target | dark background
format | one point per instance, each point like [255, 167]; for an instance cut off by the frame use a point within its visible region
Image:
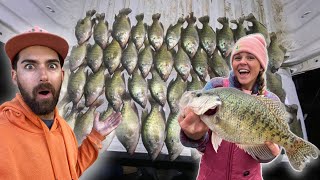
[7, 88]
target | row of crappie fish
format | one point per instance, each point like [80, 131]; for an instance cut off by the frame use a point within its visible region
[205, 50]
[87, 92]
[131, 65]
[90, 86]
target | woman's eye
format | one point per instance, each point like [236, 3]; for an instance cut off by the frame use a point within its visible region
[237, 58]
[251, 58]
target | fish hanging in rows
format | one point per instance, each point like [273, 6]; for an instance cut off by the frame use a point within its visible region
[83, 29]
[189, 36]
[121, 27]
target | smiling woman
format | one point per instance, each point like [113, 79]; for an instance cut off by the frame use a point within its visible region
[249, 60]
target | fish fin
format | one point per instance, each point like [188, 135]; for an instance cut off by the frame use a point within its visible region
[144, 114]
[134, 107]
[258, 152]
[284, 50]
[92, 12]
[181, 20]
[278, 105]
[156, 16]
[125, 11]
[198, 29]
[161, 26]
[250, 17]
[162, 112]
[94, 21]
[126, 96]
[102, 16]
[263, 25]
[216, 141]
[300, 152]
[217, 31]
[204, 19]
[88, 13]
[128, 19]
[98, 102]
[140, 17]
[273, 36]
[145, 27]
[241, 20]
[234, 21]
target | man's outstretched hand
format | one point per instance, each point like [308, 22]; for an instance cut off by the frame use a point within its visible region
[106, 126]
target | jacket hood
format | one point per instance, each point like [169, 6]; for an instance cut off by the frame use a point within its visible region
[20, 114]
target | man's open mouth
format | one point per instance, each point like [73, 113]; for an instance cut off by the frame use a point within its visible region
[44, 92]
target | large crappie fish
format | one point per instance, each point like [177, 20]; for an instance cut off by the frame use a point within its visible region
[248, 121]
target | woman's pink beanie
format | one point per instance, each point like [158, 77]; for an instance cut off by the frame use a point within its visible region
[254, 44]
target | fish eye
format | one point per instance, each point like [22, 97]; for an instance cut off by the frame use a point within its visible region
[198, 95]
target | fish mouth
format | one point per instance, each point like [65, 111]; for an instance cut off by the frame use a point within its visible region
[211, 111]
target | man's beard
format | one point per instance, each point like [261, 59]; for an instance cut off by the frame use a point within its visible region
[42, 107]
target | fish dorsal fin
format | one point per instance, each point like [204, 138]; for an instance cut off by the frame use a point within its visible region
[258, 151]
[216, 141]
[276, 107]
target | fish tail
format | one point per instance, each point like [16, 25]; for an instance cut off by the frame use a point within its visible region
[241, 20]
[300, 152]
[125, 11]
[234, 21]
[181, 20]
[156, 16]
[92, 12]
[191, 19]
[102, 16]
[273, 36]
[250, 17]
[140, 17]
[204, 19]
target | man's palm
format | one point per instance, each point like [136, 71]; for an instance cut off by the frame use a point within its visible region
[106, 126]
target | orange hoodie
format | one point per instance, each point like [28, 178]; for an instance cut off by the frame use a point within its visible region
[29, 150]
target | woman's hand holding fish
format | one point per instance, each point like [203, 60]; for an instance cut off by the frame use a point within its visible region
[274, 148]
[191, 124]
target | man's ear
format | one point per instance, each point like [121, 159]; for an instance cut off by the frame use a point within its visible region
[14, 76]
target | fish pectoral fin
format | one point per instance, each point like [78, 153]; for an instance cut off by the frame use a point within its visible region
[258, 151]
[216, 141]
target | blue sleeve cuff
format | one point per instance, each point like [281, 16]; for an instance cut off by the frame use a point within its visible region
[199, 144]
